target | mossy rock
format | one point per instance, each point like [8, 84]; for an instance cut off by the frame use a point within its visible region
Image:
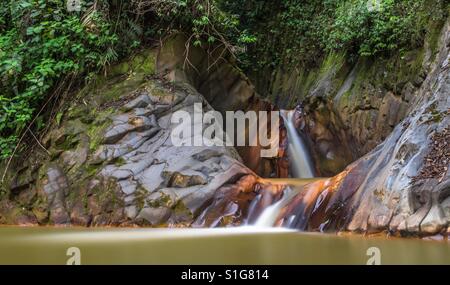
[143, 62]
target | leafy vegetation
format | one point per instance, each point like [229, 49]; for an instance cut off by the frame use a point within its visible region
[42, 43]
[293, 32]
[43, 46]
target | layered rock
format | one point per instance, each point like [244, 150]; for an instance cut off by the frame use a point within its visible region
[222, 84]
[358, 101]
[111, 159]
[403, 185]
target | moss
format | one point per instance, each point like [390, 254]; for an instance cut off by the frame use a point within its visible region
[41, 214]
[58, 118]
[82, 124]
[160, 92]
[114, 90]
[119, 161]
[120, 69]
[121, 79]
[12, 216]
[434, 116]
[345, 99]
[181, 210]
[91, 170]
[385, 74]
[143, 62]
[107, 195]
[227, 221]
[69, 142]
[102, 89]
[97, 129]
[310, 80]
[432, 37]
[163, 201]
[78, 110]
[72, 196]
[332, 63]
[139, 198]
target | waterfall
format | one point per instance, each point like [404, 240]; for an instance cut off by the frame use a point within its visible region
[298, 152]
[301, 168]
[269, 215]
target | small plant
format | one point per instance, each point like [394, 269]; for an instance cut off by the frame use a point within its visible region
[40, 42]
[204, 21]
[302, 32]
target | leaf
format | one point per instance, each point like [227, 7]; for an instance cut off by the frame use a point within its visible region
[30, 31]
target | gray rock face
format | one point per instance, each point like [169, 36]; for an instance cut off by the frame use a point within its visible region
[56, 189]
[403, 185]
[365, 99]
[409, 201]
[113, 162]
[223, 85]
[171, 182]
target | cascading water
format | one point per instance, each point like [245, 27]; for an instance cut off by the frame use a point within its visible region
[298, 152]
[301, 168]
[269, 215]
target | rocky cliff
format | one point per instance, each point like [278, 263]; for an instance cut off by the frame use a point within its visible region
[360, 101]
[108, 159]
[403, 185]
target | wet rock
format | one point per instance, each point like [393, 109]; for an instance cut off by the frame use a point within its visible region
[131, 212]
[11, 214]
[230, 203]
[78, 215]
[206, 154]
[127, 186]
[22, 181]
[155, 216]
[133, 123]
[57, 188]
[179, 180]
[75, 157]
[120, 167]
[141, 101]
[151, 178]
[135, 175]
[401, 186]
[446, 209]
[434, 222]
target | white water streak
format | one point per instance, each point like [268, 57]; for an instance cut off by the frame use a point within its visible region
[298, 153]
[270, 214]
[301, 168]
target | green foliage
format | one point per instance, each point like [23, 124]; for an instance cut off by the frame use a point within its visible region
[372, 27]
[204, 21]
[301, 32]
[40, 42]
